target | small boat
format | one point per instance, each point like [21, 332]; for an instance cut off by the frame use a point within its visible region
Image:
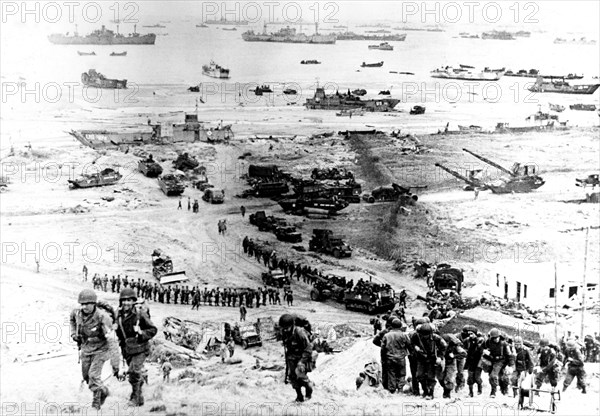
[466, 35]
[384, 46]
[203, 26]
[230, 29]
[119, 53]
[215, 71]
[86, 53]
[360, 92]
[583, 107]
[562, 87]
[158, 25]
[385, 92]
[195, 88]
[556, 107]
[262, 89]
[290, 91]
[375, 65]
[310, 62]
[417, 109]
[93, 78]
[469, 128]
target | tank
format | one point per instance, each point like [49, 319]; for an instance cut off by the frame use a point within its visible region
[148, 167]
[185, 162]
[171, 185]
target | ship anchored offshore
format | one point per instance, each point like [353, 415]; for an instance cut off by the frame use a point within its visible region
[103, 36]
[289, 35]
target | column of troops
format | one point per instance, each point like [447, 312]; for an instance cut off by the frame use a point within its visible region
[443, 358]
[185, 296]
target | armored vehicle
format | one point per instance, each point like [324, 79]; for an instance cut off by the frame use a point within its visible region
[266, 189]
[288, 234]
[372, 298]
[185, 162]
[266, 223]
[149, 167]
[324, 289]
[303, 204]
[106, 177]
[246, 336]
[324, 241]
[171, 185]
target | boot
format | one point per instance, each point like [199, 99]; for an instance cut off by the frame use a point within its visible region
[470, 391]
[134, 398]
[309, 391]
[493, 393]
[140, 395]
[96, 399]
[446, 394]
[104, 393]
[299, 396]
[479, 389]
[583, 391]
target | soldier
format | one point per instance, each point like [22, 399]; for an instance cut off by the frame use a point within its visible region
[523, 362]
[395, 347]
[118, 284]
[429, 350]
[168, 294]
[473, 342]
[105, 282]
[376, 322]
[166, 369]
[575, 366]
[449, 379]
[189, 203]
[403, 298]
[135, 329]
[90, 329]
[242, 312]
[549, 366]
[298, 356]
[154, 292]
[243, 211]
[176, 293]
[85, 273]
[497, 353]
[125, 281]
[378, 340]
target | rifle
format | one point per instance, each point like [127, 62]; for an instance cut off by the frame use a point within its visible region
[286, 380]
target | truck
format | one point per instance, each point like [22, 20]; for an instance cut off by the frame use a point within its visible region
[266, 189]
[275, 278]
[266, 223]
[325, 241]
[214, 195]
[288, 233]
[393, 192]
[246, 335]
[447, 278]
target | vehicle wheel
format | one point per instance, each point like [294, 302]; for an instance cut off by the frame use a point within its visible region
[337, 254]
[245, 344]
[259, 344]
[314, 295]
[371, 200]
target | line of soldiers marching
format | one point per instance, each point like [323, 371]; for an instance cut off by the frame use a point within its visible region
[443, 358]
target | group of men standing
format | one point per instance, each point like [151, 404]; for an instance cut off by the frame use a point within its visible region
[443, 358]
[92, 329]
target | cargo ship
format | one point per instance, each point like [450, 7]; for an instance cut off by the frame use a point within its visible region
[562, 87]
[215, 71]
[337, 101]
[103, 37]
[466, 73]
[289, 35]
[379, 38]
[384, 46]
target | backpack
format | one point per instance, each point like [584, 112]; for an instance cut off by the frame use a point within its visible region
[108, 309]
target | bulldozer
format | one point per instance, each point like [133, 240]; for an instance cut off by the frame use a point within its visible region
[325, 241]
[162, 268]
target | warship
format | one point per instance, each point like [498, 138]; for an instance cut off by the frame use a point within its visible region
[103, 37]
[215, 71]
[337, 101]
[289, 35]
[223, 21]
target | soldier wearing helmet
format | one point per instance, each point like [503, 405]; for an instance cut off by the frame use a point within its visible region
[378, 340]
[549, 366]
[497, 353]
[523, 361]
[134, 330]
[473, 343]
[575, 366]
[90, 329]
[412, 359]
[429, 351]
[298, 355]
[395, 348]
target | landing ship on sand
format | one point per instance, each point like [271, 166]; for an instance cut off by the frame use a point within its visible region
[519, 179]
[337, 101]
[106, 177]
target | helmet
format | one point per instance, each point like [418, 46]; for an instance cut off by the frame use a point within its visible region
[571, 344]
[396, 323]
[470, 328]
[425, 329]
[87, 296]
[494, 333]
[127, 293]
[422, 320]
[518, 340]
[544, 342]
[286, 320]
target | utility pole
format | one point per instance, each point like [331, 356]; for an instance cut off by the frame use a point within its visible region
[584, 294]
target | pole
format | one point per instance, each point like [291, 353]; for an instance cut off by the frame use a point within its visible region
[555, 303]
[584, 294]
